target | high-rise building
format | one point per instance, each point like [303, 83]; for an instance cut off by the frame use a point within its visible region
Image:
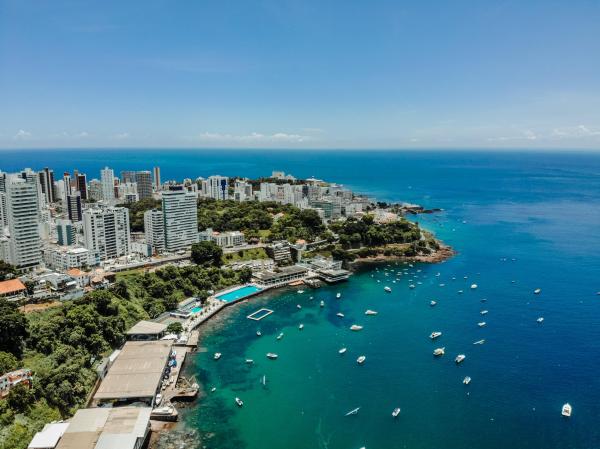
[67, 185]
[242, 191]
[47, 183]
[82, 185]
[106, 231]
[95, 190]
[107, 177]
[65, 232]
[156, 173]
[154, 230]
[74, 206]
[23, 216]
[218, 187]
[127, 176]
[3, 216]
[144, 184]
[180, 218]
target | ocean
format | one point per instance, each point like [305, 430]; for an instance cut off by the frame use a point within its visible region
[518, 221]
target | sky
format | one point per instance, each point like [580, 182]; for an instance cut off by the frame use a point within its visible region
[300, 74]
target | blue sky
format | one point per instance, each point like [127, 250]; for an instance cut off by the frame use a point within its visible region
[300, 74]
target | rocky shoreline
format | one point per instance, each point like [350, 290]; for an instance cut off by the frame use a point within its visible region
[442, 254]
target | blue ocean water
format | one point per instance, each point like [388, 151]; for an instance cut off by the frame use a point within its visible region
[540, 209]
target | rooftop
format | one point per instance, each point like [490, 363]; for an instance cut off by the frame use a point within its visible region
[284, 271]
[48, 436]
[11, 286]
[147, 328]
[136, 372]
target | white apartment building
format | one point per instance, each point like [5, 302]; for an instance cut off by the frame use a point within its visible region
[62, 258]
[222, 239]
[23, 217]
[95, 190]
[218, 187]
[267, 192]
[154, 230]
[106, 231]
[242, 191]
[107, 177]
[128, 192]
[180, 219]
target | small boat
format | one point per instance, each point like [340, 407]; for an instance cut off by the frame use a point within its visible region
[438, 352]
[483, 312]
[396, 412]
[459, 358]
[460, 292]
[298, 306]
[566, 410]
[467, 380]
[340, 314]
[353, 411]
[479, 342]
[280, 336]
[239, 402]
[540, 319]
[433, 303]
[387, 289]
[435, 335]
[361, 360]
[537, 291]
[272, 355]
[473, 286]
[301, 326]
[355, 327]
[342, 351]
[338, 295]
[249, 361]
[264, 380]
[442, 285]
[213, 389]
[411, 286]
[322, 304]
[300, 291]
[370, 312]
[258, 333]
[217, 356]
[481, 324]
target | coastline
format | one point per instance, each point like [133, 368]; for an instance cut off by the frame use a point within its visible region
[444, 253]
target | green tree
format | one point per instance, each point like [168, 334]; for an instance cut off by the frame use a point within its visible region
[207, 253]
[7, 271]
[13, 328]
[8, 362]
[175, 328]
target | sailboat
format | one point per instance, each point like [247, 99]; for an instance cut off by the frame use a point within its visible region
[264, 380]
[353, 412]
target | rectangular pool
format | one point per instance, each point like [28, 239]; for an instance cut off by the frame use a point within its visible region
[239, 293]
[196, 309]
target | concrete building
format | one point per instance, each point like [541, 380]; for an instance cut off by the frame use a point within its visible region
[180, 219]
[12, 290]
[127, 192]
[95, 190]
[106, 231]
[154, 230]
[12, 379]
[156, 173]
[242, 191]
[146, 331]
[23, 216]
[218, 187]
[223, 239]
[82, 185]
[49, 436]
[280, 276]
[63, 258]
[46, 179]
[65, 233]
[280, 251]
[107, 177]
[144, 184]
[74, 206]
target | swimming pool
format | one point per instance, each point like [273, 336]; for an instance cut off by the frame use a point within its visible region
[196, 309]
[239, 293]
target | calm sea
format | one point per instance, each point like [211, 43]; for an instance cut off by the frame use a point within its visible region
[519, 221]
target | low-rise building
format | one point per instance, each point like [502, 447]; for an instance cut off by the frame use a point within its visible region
[280, 251]
[12, 379]
[222, 239]
[146, 331]
[49, 436]
[280, 276]
[63, 258]
[13, 289]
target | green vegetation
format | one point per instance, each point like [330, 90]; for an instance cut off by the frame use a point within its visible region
[175, 328]
[136, 212]
[7, 271]
[245, 254]
[207, 254]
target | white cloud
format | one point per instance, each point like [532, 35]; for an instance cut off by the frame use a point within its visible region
[22, 135]
[121, 136]
[253, 137]
[570, 132]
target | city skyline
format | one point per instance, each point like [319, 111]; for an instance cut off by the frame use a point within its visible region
[300, 75]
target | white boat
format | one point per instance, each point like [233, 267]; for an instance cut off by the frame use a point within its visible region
[566, 410]
[239, 402]
[258, 333]
[473, 286]
[213, 389]
[459, 358]
[479, 342]
[322, 304]
[387, 289]
[361, 360]
[540, 319]
[300, 291]
[460, 292]
[467, 380]
[340, 314]
[481, 324]
[338, 295]
[280, 336]
[537, 291]
[264, 380]
[355, 327]
[396, 412]
[411, 286]
[249, 361]
[483, 312]
[217, 356]
[370, 312]
[435, 335]
[298, 306]
[272, 355]
[438, 352]
[433, 303]
[353, 411]
[342, 351]
[301, 326]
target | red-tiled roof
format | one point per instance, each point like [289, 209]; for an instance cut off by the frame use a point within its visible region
[11, 286]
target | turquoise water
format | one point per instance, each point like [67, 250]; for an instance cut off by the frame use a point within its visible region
[196, 309]
[239, 293]
[541, 209]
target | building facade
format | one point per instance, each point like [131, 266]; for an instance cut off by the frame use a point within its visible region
[180, 219]
[106, 231]
[154, 230]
